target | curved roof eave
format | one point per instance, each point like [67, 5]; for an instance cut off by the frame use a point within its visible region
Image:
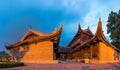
[56, 33]
[98, 35]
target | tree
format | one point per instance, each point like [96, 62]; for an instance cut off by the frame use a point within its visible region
[113, 28]
[3, 54]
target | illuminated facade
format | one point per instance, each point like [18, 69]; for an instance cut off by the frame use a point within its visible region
[36, 47]
[97, 48]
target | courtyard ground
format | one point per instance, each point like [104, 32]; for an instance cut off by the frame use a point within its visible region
[67, 66]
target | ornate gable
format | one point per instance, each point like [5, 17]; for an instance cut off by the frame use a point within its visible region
[99, 36]
[80, 37]
[31, 34]
[34, 36]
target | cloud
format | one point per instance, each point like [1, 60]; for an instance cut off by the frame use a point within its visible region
[45, 15]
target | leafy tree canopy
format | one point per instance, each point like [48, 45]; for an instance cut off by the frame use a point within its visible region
[3, 53]
[113, 28]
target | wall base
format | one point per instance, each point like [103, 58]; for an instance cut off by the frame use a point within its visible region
[43, 62]
[103, 62]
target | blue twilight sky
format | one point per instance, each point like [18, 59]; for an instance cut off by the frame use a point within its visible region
[16, 16]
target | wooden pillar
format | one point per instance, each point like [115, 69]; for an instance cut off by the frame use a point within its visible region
[11, 54]
[98, 48]
[91, 51]
[71, 56]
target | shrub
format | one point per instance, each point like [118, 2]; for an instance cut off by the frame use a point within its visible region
[10, 64]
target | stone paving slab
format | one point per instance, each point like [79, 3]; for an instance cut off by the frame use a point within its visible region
[67, 66]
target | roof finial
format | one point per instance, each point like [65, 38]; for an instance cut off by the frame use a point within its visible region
[88, 27]
[99, 19]
[61, 24]
[30, 27]
[100, 24]
[79, 27]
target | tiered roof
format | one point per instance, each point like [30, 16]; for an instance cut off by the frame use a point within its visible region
[99, 36]
[35, 36]
[80, 37]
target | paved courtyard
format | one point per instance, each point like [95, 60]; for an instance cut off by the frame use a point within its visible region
[67, 66]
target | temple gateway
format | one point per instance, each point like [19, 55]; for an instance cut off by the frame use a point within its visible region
[36, 47]
[85, 44]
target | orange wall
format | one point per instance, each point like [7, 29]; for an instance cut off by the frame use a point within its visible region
[39, 52]
[94, 51]
[106, 52]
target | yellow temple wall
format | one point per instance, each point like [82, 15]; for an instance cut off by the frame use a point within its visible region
[106, 53]
[94, 51]
[77, 55]
[81, 53]
[38, 52]
[21, 48]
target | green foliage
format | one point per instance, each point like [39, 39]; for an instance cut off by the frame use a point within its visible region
[10, 64]
[3, 54]
[113, 28]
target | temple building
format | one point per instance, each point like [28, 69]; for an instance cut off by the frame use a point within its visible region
[85, 44]
[80, 37]
[36, 47]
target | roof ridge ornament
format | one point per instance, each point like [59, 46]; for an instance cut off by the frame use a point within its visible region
[79, 27]
[100, 23]
[88, 27]
[30, 27]
[100, 19]
[61, 25]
